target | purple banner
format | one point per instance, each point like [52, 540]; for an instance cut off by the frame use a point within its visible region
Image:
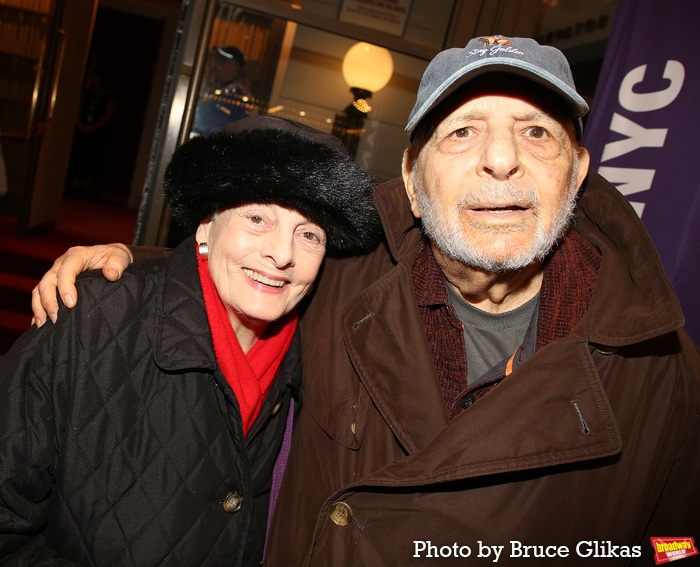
[642, 132]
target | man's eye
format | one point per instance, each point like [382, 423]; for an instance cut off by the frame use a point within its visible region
[537, 132]
[462, 133]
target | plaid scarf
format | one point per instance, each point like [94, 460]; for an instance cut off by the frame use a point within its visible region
[567, 285]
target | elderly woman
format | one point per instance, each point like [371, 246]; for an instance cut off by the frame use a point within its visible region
[143, 427]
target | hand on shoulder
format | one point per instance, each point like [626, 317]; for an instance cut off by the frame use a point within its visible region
[113, 259]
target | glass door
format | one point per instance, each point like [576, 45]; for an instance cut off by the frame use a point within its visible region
[254, 57]
[257, 63]
[26, 34]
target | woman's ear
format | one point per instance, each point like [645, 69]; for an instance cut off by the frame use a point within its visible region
[202, 234]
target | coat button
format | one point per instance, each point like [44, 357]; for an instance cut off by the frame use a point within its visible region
[466, 401]
[233, 502]
[605, 350]
[341, 514]
[276, 408]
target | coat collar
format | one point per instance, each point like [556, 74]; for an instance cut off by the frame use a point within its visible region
[550, 412]
[182, 336]
[633, 299]
[556, 386]
[402, 229]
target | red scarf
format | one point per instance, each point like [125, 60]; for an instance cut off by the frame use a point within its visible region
[249, 375]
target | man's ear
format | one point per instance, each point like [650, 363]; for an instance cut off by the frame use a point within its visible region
[408, 182]
[584, 162]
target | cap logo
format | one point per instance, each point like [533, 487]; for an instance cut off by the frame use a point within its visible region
[494, 39]
[493, 45]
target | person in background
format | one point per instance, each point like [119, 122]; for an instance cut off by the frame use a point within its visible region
[221, 99]
[98, 108]
[144, 427]
[507, 377]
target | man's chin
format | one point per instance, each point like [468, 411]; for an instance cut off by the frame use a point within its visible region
[501, 243]
[499, 252]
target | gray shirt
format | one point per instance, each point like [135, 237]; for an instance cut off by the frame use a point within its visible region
[490, 338]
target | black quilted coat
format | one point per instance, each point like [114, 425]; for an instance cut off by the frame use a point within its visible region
[120, 439]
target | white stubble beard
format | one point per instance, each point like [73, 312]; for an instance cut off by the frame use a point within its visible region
[447, 233]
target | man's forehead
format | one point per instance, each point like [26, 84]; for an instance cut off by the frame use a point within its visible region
[518, 98]
[499, 106]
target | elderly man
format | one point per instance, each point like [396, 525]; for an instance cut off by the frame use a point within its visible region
[505, 384]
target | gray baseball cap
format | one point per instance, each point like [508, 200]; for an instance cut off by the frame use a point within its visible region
[521, 56]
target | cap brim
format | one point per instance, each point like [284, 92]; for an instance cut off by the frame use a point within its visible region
[574, 102]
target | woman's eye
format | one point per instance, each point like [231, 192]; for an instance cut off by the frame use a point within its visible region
[313, 237]
[255, 219]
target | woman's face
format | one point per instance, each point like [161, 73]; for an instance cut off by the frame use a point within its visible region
[263, 260]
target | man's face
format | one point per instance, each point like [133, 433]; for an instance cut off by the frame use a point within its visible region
[495, 185]
[224, 69]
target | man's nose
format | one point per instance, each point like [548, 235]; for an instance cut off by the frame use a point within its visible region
[500, 158]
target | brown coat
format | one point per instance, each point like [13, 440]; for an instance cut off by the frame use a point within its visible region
[520, 465]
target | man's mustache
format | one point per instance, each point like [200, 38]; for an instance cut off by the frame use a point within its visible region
[500, 195]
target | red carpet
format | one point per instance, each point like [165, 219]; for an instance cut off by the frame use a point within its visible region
[79, 223]
[24, 261]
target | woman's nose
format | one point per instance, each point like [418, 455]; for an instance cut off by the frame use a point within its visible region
[279, 249]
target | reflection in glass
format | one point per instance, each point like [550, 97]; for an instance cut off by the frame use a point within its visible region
[295, 71]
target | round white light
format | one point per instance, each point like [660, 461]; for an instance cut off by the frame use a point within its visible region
[367, 67]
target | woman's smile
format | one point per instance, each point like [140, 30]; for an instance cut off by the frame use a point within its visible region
[263, 279]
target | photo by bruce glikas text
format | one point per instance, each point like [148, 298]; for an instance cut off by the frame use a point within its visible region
[518, 550]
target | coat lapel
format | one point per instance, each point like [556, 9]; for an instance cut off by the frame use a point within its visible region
[182, 336]
[393, 361]
[552, 411]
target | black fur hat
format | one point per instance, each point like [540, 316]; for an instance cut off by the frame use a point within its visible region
[267, 159]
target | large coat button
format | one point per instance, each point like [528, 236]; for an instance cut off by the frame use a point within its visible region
[341, 513]
[233, 502]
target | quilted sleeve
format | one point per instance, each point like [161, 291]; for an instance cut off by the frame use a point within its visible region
[27, 448]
